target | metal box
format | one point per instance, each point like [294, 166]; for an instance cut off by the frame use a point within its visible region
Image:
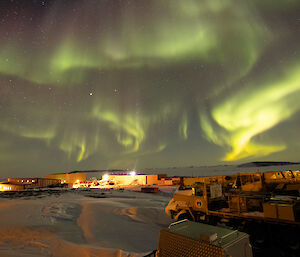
[190, 239]
[270, 210]
[286, 212]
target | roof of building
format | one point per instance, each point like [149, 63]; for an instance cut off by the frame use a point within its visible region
[92, 171]
[86, 171]
[28, 178]
[13, 184]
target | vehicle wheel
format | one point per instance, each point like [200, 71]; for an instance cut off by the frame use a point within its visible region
[211, 220]
[183, 216]
[293, 240]
[258, 235]
[287, 238]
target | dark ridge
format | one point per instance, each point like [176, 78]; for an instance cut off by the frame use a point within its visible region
[268, 163]
[91, 171]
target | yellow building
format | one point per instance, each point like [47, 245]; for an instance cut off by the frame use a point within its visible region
[17, 184]
[68, 178]
[34, 182]
[11, 187]
[134, 179]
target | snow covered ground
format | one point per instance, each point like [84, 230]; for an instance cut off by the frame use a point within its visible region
[82, 223]
[93, 223]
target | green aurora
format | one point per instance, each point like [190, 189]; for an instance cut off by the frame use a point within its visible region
[134, 84]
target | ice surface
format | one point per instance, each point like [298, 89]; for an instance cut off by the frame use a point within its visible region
[124, 223]
[96, 222]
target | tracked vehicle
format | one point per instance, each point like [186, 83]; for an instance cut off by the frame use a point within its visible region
[246, 203]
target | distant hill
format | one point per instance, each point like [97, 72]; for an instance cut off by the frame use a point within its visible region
[268, 163]
[93, 171]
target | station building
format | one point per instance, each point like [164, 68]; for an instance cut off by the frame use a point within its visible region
[135, 179]
[68, 178]
[34, 182]
[5, 186]
[17, 184]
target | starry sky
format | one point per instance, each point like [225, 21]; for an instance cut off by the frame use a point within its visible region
[98, 84]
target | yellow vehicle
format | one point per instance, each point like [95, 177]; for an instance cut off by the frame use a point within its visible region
[260, 214]
[283, 182]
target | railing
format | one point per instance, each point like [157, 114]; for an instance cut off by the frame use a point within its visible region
[152, 254]
[220, 240]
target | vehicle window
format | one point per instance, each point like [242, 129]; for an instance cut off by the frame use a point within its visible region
[198, 192]
[245, 179]
[256, 178]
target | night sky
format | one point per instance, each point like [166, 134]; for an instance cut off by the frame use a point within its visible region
[98, 84]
